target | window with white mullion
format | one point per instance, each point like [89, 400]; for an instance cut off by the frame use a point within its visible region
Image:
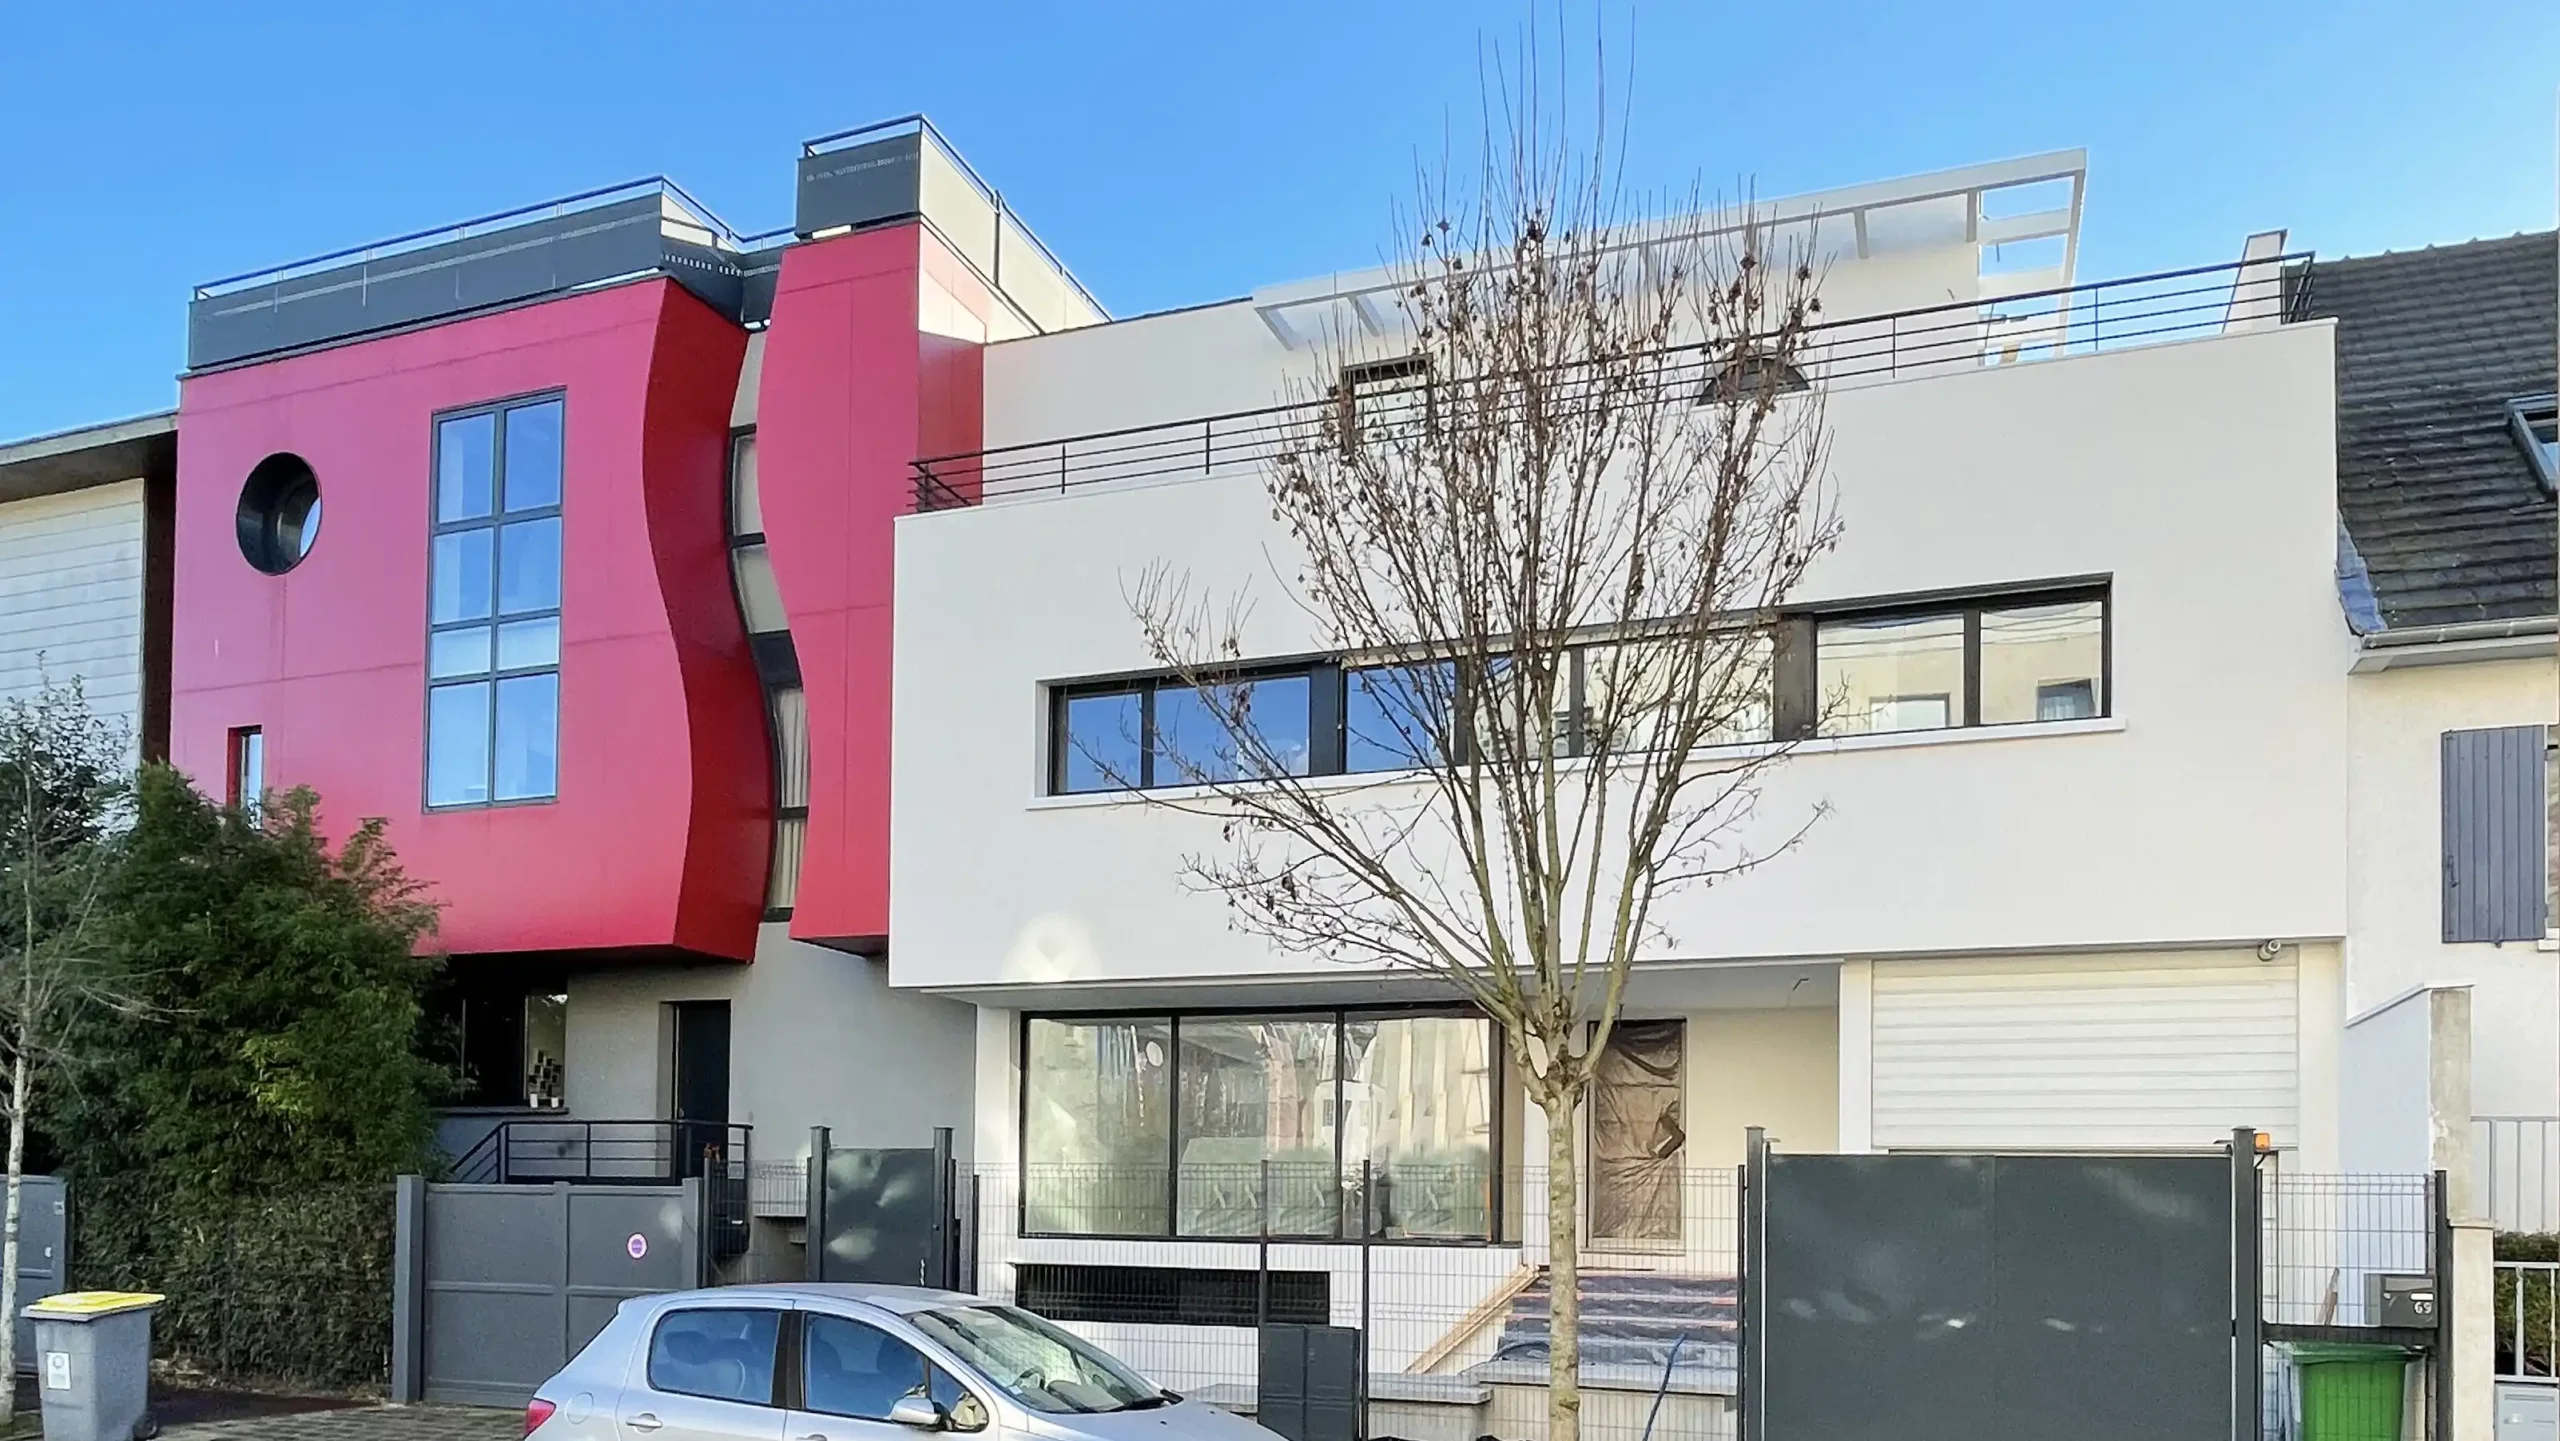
[493, 606]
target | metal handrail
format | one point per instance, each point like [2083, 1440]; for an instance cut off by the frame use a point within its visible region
[461, 229]
[633, 1152]
[2084, 318]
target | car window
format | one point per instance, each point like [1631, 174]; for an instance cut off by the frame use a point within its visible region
[850, 1369]
[964, 1411]
[1036, 1363]
[724, 1353]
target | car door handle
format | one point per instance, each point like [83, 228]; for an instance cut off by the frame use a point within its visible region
[815, 1436]
[645, 1422]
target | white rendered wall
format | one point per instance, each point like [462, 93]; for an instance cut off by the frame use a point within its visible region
[2395, 935]
[2209, 810]
[817, 1037]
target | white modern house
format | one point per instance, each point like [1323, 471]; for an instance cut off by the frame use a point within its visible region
[2089, 873]
[84, 569]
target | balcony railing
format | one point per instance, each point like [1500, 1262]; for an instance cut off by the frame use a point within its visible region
[1934, 340]
[623, 1153]
[2516, 1161]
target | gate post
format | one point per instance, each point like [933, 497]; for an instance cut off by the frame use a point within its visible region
[813, 1223]
[946, 1261]
[408, 1288]
[1751, 1257]
[2248, 1364]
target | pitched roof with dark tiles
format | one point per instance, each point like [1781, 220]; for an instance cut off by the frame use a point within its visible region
[2440, 500]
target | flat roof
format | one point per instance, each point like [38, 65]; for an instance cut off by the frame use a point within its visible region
[99, 454]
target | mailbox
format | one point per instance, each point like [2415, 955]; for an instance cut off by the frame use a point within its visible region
[2406, 1301]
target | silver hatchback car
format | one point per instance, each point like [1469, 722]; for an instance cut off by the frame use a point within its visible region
[854, 1363]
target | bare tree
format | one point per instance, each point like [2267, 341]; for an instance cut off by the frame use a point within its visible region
[64, 781]
[1545, 529]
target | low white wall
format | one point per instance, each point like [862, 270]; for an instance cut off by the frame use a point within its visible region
[2383, 1067]
[817, 1037]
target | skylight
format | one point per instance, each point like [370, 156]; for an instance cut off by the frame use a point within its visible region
[2536, 421]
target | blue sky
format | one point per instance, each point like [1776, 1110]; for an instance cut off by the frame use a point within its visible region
[1179, 153]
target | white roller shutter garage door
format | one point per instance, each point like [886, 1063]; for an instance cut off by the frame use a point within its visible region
[2132, 1052]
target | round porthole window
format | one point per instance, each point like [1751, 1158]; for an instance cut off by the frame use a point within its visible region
[279, 512]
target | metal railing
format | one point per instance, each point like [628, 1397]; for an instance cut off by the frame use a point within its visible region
[2528, 1321]
[2516, 1175]
[623, 1153]
[2326, 1241]
[718, 231]
[1005, 215]
[1932, 340]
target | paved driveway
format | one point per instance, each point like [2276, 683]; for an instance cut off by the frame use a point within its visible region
[373, 1423]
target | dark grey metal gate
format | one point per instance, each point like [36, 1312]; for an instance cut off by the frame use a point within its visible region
[496, 1287]
[884, 1214]
[44, 1252]
[1996, 1298]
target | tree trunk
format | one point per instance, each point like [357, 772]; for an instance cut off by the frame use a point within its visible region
[9, 1238]
[1564, 1269]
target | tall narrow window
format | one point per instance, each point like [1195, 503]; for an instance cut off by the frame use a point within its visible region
[493, 606]
[786, 706]
[248, 768]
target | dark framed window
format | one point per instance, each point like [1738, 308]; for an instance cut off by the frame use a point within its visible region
[2011, 659]
[1239, 1125]
[493, 605]
[719, 1353]
[1936, 663]
[778, 666]
[248, 786]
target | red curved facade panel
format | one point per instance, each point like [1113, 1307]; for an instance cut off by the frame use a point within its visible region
[851, 394]
[658, 838]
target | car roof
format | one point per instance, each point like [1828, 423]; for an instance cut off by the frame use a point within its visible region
[898, 1300]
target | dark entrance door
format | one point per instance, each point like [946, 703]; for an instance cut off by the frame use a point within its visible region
[701, 1086]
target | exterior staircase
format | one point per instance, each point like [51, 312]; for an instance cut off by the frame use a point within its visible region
[1640, 1329]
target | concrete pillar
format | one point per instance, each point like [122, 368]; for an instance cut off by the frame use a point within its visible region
[1857, 1056]
[2471, 1332]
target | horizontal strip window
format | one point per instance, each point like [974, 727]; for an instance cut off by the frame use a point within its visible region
[2014, 661]
[2020, 656]
[1238, 1126]
[1171, 1296]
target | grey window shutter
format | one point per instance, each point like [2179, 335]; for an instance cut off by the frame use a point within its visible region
[2493, 834]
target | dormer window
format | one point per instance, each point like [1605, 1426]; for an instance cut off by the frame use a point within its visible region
[2536, 421]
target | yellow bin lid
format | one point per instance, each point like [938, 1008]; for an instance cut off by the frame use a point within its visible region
[90, 1305]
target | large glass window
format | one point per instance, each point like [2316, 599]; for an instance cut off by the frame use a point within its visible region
[1101, 741]
[1394, 716]
[1253, 1125]
[1418, 1108]
[1097, 1126]
[1891, 673]
[2044, 662]
[2003, 662]
[493, 606]
[1256, 1124]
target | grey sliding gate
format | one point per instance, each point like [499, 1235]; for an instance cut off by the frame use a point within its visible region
[1998, 1298]
[496, 1287]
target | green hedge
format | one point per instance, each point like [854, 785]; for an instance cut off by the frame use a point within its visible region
[2532, 1292]
[289, 1291]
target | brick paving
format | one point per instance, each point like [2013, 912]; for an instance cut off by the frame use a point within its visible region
[370, 1423]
